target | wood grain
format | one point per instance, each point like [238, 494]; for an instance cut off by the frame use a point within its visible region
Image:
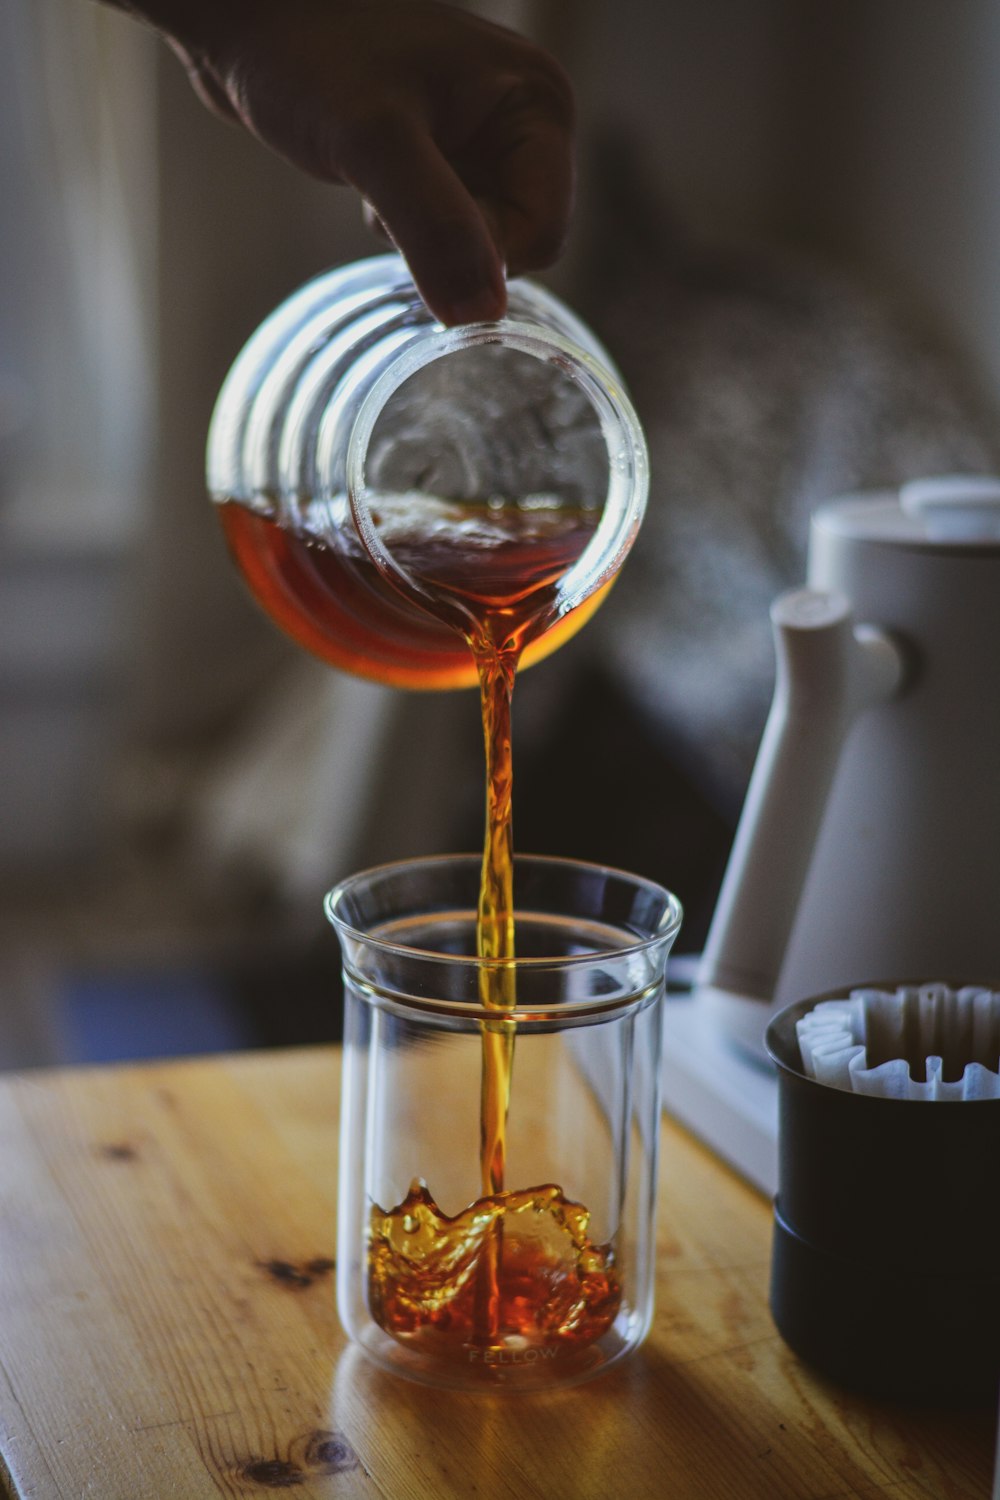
[167, 1327]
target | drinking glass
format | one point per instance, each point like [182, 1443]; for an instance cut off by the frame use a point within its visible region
[549, 1280]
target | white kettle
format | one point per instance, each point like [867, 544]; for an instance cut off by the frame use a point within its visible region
[869, 845]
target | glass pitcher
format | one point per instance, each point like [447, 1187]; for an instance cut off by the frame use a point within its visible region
[380, 476]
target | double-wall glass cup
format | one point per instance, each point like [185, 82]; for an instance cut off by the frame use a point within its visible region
[490, 1238]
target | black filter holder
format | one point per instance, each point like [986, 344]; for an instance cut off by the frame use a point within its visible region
[885, 1270]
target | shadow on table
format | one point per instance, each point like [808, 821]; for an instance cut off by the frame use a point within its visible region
[744, 1421]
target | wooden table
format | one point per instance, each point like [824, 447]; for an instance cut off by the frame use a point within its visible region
[167, 1327]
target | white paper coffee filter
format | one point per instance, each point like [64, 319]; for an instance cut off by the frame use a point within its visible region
[918, 1042]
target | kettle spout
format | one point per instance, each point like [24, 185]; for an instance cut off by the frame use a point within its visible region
[828, 670]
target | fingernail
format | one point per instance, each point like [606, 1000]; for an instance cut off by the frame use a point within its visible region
[482, 309]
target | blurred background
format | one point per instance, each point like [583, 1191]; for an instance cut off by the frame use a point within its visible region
[786, 236]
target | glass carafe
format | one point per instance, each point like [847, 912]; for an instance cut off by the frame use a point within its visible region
[381, 478]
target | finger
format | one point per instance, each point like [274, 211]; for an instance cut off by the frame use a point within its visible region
[431, 217]
[373, 223]
[209, 90]
[533, 196]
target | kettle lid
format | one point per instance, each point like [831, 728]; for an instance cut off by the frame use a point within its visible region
[939, 512]
[955, 508]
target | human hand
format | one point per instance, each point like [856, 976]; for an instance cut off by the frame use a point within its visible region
[457, 133]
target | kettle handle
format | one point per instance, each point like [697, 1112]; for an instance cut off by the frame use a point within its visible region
[828, 670]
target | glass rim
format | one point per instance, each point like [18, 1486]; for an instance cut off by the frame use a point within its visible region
[625, 443]
[665, 932]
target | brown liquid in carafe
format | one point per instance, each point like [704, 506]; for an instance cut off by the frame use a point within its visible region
[332, 600]
[514, 1277]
